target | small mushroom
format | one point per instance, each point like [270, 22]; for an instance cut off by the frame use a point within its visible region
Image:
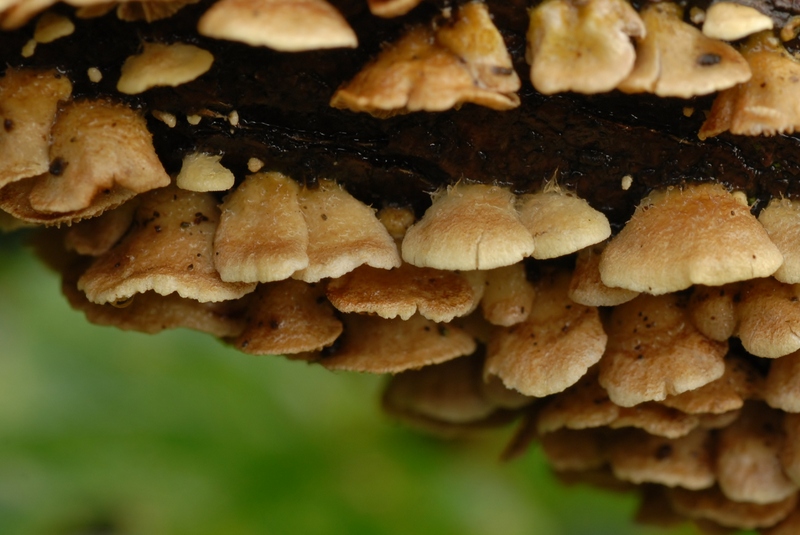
[468, 227]
[285, 25]
[730, 21]
[769, 317]
[560, 223]
[168, 250]
[654, 351]
[376, 345]
[204, 172]
[508, 296]
[262, 234]
[586, 286]
[765, 104]
[286, 318]
[163, 65]
[28, 104]
[581, 46]
[96, 145]
[391, 8]
[781, 220]
[462, 59]
[343, 233]
[97, 235]
[675, 59]
[437, 295]
[654, 253]
[553, 348]
[713, 310]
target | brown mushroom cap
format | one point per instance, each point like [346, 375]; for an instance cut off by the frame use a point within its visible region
[437, 295]
[653, 351]
[97, 235]
[288, 317]
[788, 526]
[575, 450]
[686, 462]
[747, 464]
[711, 504]
[96, 144]
[168, 250]
[675, 59]
[468, 227]
[285, 25]
[561, 223]
[262, 234]
[581, 46]
[782, 386]
[655, 254]
[553, 348]
[765, 104]
[376, 345]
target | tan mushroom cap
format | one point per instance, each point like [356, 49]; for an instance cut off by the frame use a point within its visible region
[508, 296]
[15, 199]
[343, 233]
[586, 286]
[789, 526]
[675, 59]
[28, 104]
[653, 352]
[97, 235]
[656, 419]
[285, 25]
[686, 462]
[391, 8]
[782, 386]
[739, 383]
[553, 348]
[575, 450]
[747, 465]
[162, 64]
[781, 220]
[463, 59]
[262, 235]
[561, 223]
[437, 295]
[168, 250]
[583, 405]
[765, 104]
[790, 451]
[655, 254]
[96, 145]
[730, 21]
[713, 310]
[204, 172]
[769, 317]
[711, 504]
[468, 227]
[376, 345]
[52, 26]
[448, 392]
[288, 317]
[581, 46]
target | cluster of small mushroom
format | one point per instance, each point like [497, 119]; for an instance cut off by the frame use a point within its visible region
[659, 356]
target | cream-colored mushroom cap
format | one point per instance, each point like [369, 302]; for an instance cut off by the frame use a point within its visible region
[508, 296]
[285, 25]
[730, 21]
[653, 351]
[96, 145]
[769, 318]
[581, 46]
[437, 295]
[288, 317]
[675, 59]
[169, 250]
[586, 286]
[28, 104]
[765, 104]
[712, 309]
[553, 348]
[162, 64]
[343, 233]
[781, 219]
[747, 465]
[262, 234]
[376, 345]
[685, 462]
[204, 172]
[468, 227]
[699, 234]
[391, 8]
[561, 223]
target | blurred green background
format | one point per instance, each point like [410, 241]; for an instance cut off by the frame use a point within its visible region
[105, 432]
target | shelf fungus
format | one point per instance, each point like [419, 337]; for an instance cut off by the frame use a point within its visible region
[639, 319]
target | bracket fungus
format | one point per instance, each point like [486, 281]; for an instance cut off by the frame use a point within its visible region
[603, 312]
